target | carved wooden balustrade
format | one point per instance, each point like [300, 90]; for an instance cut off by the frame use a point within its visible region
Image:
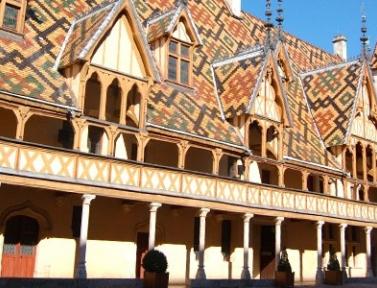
[17, 158]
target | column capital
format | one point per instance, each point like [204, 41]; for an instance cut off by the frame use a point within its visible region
[87, 198]
[247, 216]
[279, 220]
[320, 223]
[203, 212]
[154, 206]
[367, 229]
[343, 226]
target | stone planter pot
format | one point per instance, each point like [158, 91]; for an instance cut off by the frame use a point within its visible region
[284, 279]
[333, 277]
[155, 280]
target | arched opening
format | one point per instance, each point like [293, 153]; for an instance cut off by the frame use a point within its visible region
[293, 179]
[272, 143]
[315, 183]
[10, 129]
[230, 166]
[199, 160]
[369, 160]
[92, 97]
[255, 138]
[360, 193]
[349, 162]
[133, 107]
[113, 102]
[49, 131]
[161, 153]
[359, 162]
[269, 174]
[98, 141]
[20, 239]
[126, 147]
[372, 194]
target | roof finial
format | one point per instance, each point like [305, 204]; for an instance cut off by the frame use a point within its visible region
[268, 25]
[364, 36]
[280, 18]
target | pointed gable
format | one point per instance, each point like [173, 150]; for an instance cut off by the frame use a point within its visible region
[112, 29]
[331, 93]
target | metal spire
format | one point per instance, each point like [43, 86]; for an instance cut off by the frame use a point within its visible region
[268, 25]
[364, 36]
[280, 18]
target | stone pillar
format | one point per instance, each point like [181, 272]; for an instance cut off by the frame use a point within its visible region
[246, 246]
[201, 274]
[342, 228]
[152, 224]
[87, 199]
[319, 274]
[368, 245]
[278, 222]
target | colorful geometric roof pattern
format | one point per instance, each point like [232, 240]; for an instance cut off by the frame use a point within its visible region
[331, 94]
[180, 111]
[159, 27]
[302, 141]
[81, 32]
[236, 82]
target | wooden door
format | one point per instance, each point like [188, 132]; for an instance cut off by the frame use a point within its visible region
[267, 253]
[21, 238]
[142, 249]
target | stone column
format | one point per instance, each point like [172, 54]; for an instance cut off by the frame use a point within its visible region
[201, 274]
[246, 246]
[87, 199]
[152, 224]
[319, 274]
[368, 245]
[342, 228]
[278, 222]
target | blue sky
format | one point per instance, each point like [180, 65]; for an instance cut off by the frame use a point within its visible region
[317, 21]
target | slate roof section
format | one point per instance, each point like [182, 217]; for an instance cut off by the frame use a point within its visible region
[331, 94]
[236, 81]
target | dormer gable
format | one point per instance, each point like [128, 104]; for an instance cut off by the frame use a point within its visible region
[113, 30]
[284, 65]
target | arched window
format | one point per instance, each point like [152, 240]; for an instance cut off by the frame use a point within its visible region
[97, 140]
[133, 107]
[359, 164]
[92, 97]
[113, 102]
[126, 147]
[272, 143]
[369, 160]
[349, 162]
[255, 138]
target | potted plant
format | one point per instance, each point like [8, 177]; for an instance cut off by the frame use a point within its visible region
[333, 273]
[284, 277]
[155, 265]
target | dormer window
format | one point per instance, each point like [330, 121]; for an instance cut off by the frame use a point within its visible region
[12, 15]
[179, 64]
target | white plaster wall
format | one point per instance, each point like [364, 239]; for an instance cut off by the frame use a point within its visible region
[176, 255]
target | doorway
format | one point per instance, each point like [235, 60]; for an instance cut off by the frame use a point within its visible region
[19, 250]
[142, 249]
[267, 254]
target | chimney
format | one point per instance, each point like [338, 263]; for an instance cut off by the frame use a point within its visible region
[235, 7]
[340, 46]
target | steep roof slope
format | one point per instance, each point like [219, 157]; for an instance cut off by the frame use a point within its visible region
[331, 94]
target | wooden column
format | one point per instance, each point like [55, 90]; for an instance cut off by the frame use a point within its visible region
[105, 82]
[305, 175]
[217, 154]
[264, 139]
[281, 176]
[143, 140]
[22, 114]
[365, 167]
[183, 147]
[326, 189]
[354, 163]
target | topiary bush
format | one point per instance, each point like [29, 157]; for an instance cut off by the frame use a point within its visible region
[155, 261]
[284, 265]
[333, 264]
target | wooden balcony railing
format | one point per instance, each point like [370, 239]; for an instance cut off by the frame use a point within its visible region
[49, 163]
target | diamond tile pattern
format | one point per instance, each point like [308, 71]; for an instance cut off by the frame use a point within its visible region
[331, 94]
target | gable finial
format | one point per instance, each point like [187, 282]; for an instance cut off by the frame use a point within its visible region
[364, 36]
[268, 25]
[280, 19]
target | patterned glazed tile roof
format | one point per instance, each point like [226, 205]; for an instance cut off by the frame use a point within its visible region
[302, 141]
[237, 80]
[331, 93]
[160, 26]
[176, 110]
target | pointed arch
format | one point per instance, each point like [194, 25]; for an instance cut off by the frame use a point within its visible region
[113, 101]
[133, 107]
[92, 96]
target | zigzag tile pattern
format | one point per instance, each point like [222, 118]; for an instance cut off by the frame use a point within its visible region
[331, 94]
[301, 141]
[82, 31]
[160, 27]
[236, 83]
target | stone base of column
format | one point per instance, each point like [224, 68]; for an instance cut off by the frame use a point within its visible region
[201, 274]
[81, 271]
[319, 277]
[245, 275]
